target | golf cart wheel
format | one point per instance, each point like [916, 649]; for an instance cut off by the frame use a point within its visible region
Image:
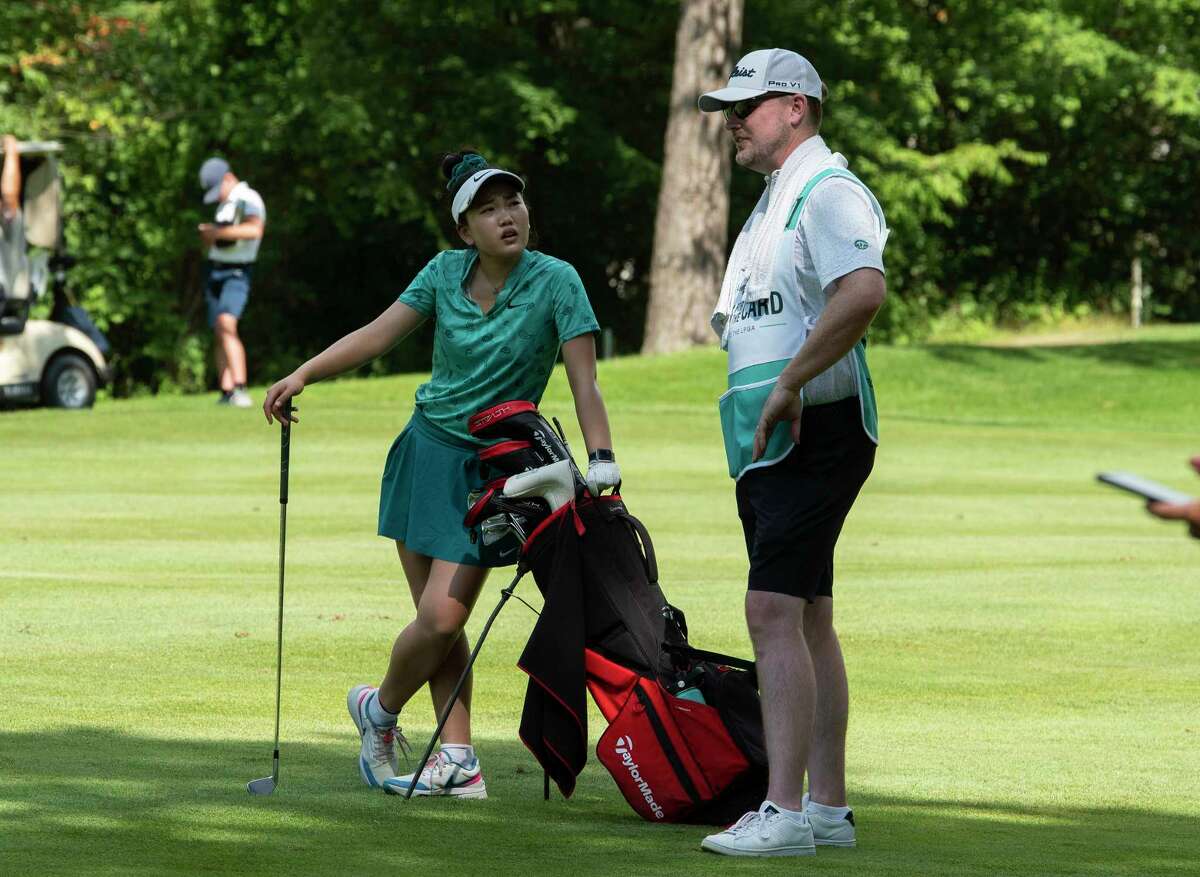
[69, 382]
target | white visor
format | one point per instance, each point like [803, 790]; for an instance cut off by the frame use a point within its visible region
[468, 190]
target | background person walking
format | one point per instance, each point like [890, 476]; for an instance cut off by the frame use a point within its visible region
[802, 285]
[14, 268]
[502, 311]
[231, 241]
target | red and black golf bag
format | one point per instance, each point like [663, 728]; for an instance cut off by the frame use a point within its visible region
[684, 737]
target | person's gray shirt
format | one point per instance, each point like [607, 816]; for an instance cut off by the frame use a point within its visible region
[14, 264]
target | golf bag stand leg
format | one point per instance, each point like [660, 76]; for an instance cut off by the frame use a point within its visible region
[462, 680]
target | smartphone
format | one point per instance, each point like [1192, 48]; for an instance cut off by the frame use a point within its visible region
[1143, 487]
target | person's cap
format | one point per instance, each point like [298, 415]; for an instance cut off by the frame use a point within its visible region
[763, 71]
[470, 188]
[211, 173]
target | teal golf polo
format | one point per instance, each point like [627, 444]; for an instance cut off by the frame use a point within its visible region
[508, 353]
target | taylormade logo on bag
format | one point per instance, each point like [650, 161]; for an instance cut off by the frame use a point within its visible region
[623, 746]
[545, 443]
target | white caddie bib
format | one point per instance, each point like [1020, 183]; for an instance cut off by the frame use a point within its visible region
[765, 328]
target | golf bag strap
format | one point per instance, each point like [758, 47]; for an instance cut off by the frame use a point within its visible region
[611, 507]
[648, 557]
[686, 651]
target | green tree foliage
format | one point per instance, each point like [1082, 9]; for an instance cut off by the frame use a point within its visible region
[1024, 152]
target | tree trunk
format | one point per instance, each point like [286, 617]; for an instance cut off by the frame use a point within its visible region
[690, 230]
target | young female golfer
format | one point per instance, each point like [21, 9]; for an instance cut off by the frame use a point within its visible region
[502, 313]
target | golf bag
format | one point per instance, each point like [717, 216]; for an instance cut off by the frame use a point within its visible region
[527, 443]
[684, 739]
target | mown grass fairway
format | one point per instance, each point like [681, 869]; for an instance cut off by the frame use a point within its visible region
[1022, 643]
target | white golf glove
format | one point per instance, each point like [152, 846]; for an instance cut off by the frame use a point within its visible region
[603, 472]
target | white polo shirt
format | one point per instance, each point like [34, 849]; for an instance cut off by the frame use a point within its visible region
[242, 203]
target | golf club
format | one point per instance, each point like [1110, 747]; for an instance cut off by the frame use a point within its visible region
[266, 785]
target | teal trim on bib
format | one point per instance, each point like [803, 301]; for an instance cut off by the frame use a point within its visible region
[741, 408]
[866, 392]
[794, 216]
[752, 374]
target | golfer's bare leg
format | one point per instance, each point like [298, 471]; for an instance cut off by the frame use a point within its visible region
[458, 724]
[224, 377]
[785, 678]
[231, 346]
[827, 752]
[433, 644]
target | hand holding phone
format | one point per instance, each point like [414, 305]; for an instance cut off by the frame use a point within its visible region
[1163, 502]
[1149, 490]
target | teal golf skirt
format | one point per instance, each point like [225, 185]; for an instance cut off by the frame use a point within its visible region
[423, 498]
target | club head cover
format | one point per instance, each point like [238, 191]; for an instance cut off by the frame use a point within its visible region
[520, 421]
[510, 457]
[558, 484]
[479, 504]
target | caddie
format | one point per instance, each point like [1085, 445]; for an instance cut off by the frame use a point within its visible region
[803, 283]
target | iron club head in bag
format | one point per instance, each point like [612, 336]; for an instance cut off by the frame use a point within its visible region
[494, 514]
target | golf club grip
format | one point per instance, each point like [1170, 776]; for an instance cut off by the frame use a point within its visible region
[285, 447]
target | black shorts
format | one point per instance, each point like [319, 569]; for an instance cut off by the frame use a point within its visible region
[792, 512]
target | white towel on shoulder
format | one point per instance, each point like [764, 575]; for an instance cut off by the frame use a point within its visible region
[748, 273]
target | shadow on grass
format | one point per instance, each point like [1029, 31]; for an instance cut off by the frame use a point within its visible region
[1156, 354]
[96, 802]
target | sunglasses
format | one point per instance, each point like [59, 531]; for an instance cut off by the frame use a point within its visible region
[742, 109]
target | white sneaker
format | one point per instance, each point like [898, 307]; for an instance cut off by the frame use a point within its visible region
[831, 832]
[763, 832]
[378, 760]
[442, 775]
[240, 399]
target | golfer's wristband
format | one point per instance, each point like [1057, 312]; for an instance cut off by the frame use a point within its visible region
[602, 455]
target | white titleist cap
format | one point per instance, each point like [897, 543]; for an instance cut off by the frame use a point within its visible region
[763, 71]
[468, 190]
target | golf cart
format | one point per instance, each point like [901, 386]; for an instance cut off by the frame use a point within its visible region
[59, 361]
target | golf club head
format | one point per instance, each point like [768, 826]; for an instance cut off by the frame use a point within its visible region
[495, 528]
[264, 786]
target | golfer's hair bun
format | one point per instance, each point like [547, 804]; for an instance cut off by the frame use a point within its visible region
[457, 166]
[451, 159]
